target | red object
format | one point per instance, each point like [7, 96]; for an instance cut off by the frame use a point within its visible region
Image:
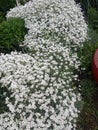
[95, 65]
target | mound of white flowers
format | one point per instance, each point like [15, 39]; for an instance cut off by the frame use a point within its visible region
[43, 94]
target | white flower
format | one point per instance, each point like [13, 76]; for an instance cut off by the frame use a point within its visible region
[42, 95]
[11, 107]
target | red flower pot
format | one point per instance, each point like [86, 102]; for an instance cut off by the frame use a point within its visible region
[95, 65]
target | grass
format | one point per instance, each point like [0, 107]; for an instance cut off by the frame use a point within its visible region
[88, 118]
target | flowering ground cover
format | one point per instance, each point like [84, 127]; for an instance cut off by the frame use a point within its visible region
[41, 82]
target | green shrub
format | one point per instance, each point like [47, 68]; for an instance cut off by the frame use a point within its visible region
[86, 4]
[92, 16]
[5, 5]
[2, 17]
[12, 33]
[90, 9]
[86, 52]
[89, 87]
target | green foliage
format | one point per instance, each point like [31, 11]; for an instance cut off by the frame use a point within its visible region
[90, 9]
[3, 92]
[87, 83]
[88, 118]
[5, 5]
[22, 2]
[92, 16]
[89, 87]
[87, 4]
[12, 33]
[86, 52]
[2, 17]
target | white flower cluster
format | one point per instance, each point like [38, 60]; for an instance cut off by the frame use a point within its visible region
[43, 95]
[53, 20]
[42, 98]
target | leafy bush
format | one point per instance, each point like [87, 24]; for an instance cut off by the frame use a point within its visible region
[12, 33]
[90, 9]
[86, 52]
[5, 5]
[87, 4]
[88, 119]
[89, 87]
[2, 17]
[92, 16]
